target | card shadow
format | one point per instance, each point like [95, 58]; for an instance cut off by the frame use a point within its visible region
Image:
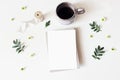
[79, 48]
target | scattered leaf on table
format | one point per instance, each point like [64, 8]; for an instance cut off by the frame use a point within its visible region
[47, 23]
[95, 27]
[99, 51]
[18, 45]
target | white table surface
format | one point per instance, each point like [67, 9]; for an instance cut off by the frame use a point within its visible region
[108, 68]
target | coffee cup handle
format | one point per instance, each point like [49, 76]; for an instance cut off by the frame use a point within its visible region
[80, 10]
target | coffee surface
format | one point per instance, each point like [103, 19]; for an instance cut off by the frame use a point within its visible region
[65, 12]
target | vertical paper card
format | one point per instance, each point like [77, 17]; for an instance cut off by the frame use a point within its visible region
[62, 50]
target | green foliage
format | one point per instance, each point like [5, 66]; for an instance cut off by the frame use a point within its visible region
[95, 27]
[99, 51]
[47, 23]
[18, 45]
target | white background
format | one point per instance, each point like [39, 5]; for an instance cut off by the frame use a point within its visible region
[108, 68]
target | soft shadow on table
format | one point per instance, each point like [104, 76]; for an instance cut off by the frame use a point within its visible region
[60, 70]
[79, 47]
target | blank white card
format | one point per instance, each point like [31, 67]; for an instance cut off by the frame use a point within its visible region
[62, 50]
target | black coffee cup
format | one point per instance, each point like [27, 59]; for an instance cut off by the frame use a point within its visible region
[66, 12]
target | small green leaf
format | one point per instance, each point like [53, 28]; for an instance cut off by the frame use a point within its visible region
[14, 41]
[92, 27]
[15, 46]
[95, 29]
[47, 23]
[99, 47]
[102, 51]
[91, 24]
[17, 49]
[98, 58]
[96, 50]
[94, 23]
[22, 49]
[100, 54]
[95, 53]
[94, 56]
[23, 46]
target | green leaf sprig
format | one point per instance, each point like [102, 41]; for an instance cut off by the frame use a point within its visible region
[47, 23]
[95, 27]
[18, 45]
[99, 51]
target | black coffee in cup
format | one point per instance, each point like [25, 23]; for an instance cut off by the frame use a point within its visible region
[64, 11]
